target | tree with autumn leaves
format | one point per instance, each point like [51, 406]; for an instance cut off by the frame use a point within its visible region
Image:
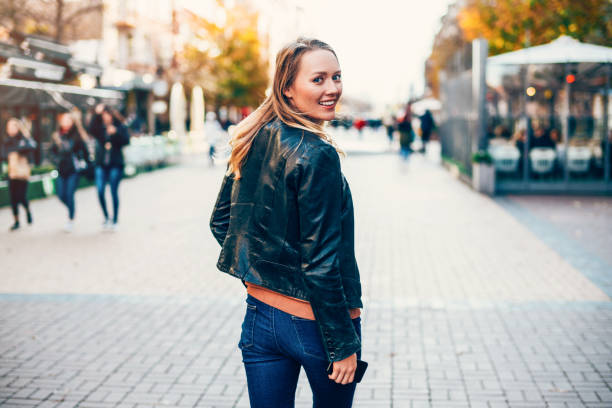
[227, 58]
[510, 25]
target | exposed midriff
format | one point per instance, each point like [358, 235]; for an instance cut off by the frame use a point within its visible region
[297, 307]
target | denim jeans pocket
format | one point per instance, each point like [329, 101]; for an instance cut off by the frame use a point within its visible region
[307, 332]
[248, 327]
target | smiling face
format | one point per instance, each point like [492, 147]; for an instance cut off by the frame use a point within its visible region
[317, 85]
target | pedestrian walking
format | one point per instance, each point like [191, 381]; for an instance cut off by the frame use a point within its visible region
[389, 124]
[69, 147]
[111, 136]
[406, 132]
[284, 219]
[214, 133]
[427, 126]
[16, 149]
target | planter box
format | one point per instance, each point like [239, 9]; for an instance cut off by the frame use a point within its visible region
[483, 178]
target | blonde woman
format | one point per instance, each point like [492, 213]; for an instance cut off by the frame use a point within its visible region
[16, 149]
[70, 150]
[284, 219]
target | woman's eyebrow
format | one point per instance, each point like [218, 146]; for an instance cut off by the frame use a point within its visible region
[324, 73]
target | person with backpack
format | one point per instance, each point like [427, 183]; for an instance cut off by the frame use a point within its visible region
[16, 149]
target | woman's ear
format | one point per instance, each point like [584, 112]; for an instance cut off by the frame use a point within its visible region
[288, 93]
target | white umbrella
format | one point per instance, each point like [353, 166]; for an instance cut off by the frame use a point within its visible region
[563, 49]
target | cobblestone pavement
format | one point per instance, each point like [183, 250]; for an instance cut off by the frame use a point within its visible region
[467, 303]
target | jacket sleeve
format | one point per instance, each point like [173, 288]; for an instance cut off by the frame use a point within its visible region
[320, 216]
[121, 137]
[220, 218]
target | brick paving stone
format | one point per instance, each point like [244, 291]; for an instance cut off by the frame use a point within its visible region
[465, 304]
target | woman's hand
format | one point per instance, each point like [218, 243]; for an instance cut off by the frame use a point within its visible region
[344, 370]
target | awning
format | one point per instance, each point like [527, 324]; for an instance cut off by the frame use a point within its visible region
[18, 93]
[562, 50]
[28, 68]
[85, 67]
[9, 50]
[52, 50]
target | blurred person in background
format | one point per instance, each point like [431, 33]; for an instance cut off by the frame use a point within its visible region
[111, 136]
[389, 124]
[69, 148]
[541, 139]
[406, 132]
[214, 133]
[15, 150]
[427, 126]
[284, 219]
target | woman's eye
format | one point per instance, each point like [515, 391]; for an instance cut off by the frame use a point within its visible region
[337, 77]
[317, 80]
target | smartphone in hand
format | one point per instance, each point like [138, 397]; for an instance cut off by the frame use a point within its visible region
[359, 372]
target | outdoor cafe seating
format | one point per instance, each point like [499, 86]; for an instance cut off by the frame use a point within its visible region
[505, 156]
[542, 160]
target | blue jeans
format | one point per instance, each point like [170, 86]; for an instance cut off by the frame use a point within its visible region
[405, 152]
[274, 346]
[112, 176]
[66, 187]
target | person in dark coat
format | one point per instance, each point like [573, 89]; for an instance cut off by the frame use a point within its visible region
[427, 126]
[71, 154]
[111, 136]
[15, 150]
[404, 126]
[542, 139]
[284, 219]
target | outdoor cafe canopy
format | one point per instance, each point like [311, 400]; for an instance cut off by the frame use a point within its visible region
[562, 50]
[31, 94]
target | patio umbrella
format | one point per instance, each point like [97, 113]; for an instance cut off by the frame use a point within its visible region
[562, 50]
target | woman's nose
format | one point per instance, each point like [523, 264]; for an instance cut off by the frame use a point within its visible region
[332, 87]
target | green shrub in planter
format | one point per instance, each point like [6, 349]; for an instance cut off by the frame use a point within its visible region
[483, 157]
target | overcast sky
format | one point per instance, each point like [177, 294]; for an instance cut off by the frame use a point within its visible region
[382, 44]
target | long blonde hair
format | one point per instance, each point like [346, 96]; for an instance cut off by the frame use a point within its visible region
[276, 105]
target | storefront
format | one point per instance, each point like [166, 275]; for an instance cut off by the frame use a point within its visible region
[548, 118]
[38, 103]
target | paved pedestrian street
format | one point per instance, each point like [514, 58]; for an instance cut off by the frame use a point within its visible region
[469, 301]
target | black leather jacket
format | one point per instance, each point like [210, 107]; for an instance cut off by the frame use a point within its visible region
[287, 225]
[119, 139]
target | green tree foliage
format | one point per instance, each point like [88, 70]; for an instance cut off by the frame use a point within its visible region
[226, 58]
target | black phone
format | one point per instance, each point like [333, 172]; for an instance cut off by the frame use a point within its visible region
[359, 372]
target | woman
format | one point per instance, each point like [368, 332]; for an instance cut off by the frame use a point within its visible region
[406, 132]
[16, 149]
[284, 219]
[111, 136]
[70, 150]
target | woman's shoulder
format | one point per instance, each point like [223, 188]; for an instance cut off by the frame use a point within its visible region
[300, 143]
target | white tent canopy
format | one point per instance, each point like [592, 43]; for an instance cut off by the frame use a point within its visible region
[562, 50]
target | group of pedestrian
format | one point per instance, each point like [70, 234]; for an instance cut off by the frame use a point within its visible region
[406, 132]
[73, 158]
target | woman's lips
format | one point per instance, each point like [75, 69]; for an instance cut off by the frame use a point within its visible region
[328, 104]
